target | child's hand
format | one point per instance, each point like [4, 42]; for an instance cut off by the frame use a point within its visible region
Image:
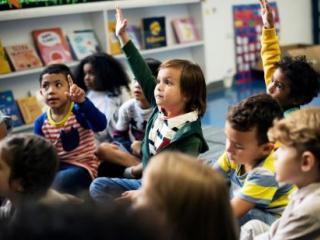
[128, 196]
[135, 147]
[75, 93]
[266, 14]
[121, 25]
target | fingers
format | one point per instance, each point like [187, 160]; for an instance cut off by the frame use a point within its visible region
[70, 81]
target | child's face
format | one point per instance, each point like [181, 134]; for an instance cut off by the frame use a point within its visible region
[168, 92]
[137, 92]
[279, 88]
[54, 89]
[89, 76]
[287, 164]
[5, 172]
[243, 147]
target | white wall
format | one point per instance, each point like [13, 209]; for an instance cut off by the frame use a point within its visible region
[295, 24]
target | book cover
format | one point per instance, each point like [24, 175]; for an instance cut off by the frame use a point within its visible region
[52, 45]
[23, 56]
[154, 32]
[30, 108]
[83, 43]
[9, 107]
[4, 64]
[114, 44]
[135, 35]
[185, 30]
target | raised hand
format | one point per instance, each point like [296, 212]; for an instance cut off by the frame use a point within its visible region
[121, 22]
[75, 93]
[266, 14]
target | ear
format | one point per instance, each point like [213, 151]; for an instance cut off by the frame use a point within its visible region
[308, 161]
[267, 148]
[16, 186]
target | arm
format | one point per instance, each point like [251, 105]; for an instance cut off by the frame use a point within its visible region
[37, 127]
[137, 64]
[270, 51]
[240, 207]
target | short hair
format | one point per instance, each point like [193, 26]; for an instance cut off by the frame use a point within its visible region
[303, 80]
[110, 75]
[185, 189]
[301, 129]
[192, 84]
[56, 69]
[33, 161]
[256, 111]
[154, 65]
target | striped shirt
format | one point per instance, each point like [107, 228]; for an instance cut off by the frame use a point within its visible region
[258, 186]
[164, 129]
[83, 155]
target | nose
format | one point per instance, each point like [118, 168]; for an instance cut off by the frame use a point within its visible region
[229, 148]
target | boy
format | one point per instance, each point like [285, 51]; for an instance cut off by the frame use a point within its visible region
[69, 124]
[297, 162]
[248, 160]
[291, 81]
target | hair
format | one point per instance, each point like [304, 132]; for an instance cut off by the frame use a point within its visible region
[303, 80]
[110, 75]
[301, 129]
[186, 190]
[56, 69]
[256, 111]
[89, 221]
[192, 84]
[154, 65]
[33, 162]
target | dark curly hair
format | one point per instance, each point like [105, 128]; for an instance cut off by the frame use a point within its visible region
[33, 162]
[303, 80]
[109, 72]
[256, 111]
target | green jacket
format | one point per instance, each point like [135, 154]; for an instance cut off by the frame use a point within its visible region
[189, 139]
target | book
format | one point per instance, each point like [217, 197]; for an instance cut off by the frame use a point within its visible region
[154, 32]
[83, 43]
[4, 64]
[135, 35]
[30, 108]
[9, 107]
[52, 46]
[114, 44]
[23, 56]
[185, 30]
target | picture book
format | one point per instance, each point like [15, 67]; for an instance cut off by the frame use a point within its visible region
[23, 56]
[30, 108]
[135, 35]
[114, 44]
[154, 32]
[83, 43]
[9, 107]
[4, 64]
[185, 30]
[52, 45]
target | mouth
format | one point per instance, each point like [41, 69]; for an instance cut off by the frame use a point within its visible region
[52, 100]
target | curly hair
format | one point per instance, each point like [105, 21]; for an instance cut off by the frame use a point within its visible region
[301, 129]
[32, 160]
[303, 80]
[256, 111]
[110, 75]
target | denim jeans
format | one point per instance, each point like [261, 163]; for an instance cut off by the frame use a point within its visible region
[105, 189]
[71, 179]
[255, 213]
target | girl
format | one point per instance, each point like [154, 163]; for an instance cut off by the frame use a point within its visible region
[179, 100]
[106, 83]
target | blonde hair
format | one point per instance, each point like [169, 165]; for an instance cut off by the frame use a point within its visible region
[301, 129]
[193, 197]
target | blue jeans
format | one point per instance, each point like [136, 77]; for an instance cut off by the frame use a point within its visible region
[257, 214]
[71, 179]
[105, 189]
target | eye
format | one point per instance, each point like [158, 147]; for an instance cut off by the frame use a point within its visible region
[59, 84]
[45, 86]
[167, 81]
[238, 146]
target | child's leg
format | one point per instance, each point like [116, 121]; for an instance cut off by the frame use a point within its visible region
[258, 214]
[105, 189]
[71, 179]
[112, 153]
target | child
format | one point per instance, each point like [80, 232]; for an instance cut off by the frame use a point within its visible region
[179, 100]
[291, 81]
[128, 130]
[248, 161]
[185, 191]
[106, 83]
[69, 124]
[298, 162]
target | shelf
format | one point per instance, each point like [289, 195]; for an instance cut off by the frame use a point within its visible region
[84, 8]
[23, 128]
